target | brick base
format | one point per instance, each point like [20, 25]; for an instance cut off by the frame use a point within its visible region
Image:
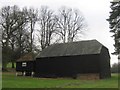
[89, 76]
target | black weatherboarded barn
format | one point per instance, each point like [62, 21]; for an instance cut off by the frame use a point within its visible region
[26, 64]
[72, 59]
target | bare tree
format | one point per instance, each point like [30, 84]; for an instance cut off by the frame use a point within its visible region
[8, 23]
[47, 26]
[69, 23]
[8, 26]
[32, 17]
[13, 22]
[22, 34]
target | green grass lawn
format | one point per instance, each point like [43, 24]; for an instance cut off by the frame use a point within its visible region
[9, 80]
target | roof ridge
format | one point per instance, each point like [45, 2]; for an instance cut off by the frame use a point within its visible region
[75, 42]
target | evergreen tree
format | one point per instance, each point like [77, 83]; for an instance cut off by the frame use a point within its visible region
[114, 21]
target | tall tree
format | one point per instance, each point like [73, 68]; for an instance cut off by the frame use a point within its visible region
[32, 17]
[114, 21]
[8, 26]
[69, 23]
[15, 36]
[47, 26]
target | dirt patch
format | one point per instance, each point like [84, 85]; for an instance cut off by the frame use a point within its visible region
[11, 70]
[88, 76]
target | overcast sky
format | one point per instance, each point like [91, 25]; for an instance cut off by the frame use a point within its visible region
[95, 12]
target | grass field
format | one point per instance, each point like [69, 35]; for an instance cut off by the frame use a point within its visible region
[9, 80]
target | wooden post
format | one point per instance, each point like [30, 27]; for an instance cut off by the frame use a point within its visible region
[16, 74]
[32, 74]
[24, 73]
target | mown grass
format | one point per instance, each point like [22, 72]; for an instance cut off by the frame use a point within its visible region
[9, 80]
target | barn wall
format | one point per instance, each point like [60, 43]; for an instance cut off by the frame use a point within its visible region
[67, 66]
[105, 71]
[28, 68]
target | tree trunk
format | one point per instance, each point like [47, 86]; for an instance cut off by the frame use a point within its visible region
[13, 66]
[4, 67]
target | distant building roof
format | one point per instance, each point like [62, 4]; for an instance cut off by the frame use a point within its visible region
[27, 57]
[71, 49]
